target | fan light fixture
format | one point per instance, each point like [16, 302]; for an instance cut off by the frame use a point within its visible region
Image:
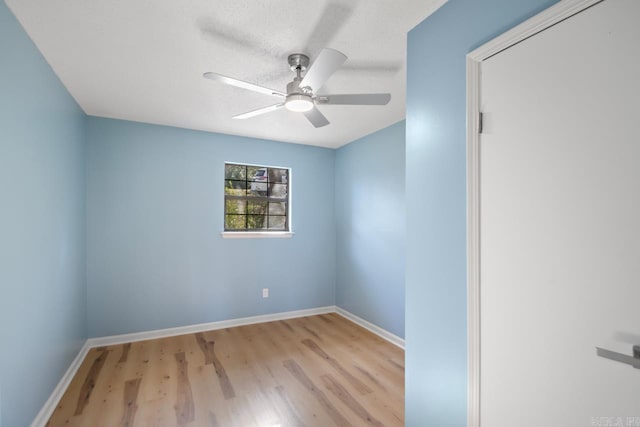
[298, 102]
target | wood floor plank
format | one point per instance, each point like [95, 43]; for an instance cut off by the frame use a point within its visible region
[351, 402]
[130, 400]
[156, 363]
[207, 349]
[370, 376]
[293, 415]
[362, 338]
[225, 383]
[389, 409]
[185, 411]
[356, 383]
[361, 355]
[213, 421]
[125, 353]
[65, 409]
[281, 341]
[289, 401]
[109, 391]
[250, 371]
[300, 375]
[90, 381]
[316, 371]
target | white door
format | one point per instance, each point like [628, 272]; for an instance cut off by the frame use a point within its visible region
[560, 224]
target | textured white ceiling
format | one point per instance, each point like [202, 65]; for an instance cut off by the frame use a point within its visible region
[143, 60]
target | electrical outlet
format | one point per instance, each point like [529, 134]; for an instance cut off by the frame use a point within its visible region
[265, 292]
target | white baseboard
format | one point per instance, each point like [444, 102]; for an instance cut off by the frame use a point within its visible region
[202, 327]
[48, 408]
[51, 403]
[382, 333]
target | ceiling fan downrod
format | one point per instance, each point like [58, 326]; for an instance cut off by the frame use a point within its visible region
[299, 99]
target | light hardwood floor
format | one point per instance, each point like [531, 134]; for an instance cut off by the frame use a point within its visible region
[311, 371]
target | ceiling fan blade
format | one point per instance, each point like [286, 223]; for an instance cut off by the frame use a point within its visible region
[334, 17]
[355, 99]
[372, 67]
[217, 30]
[244, 85]
[316, 118]
[259, 111]
[324, 66]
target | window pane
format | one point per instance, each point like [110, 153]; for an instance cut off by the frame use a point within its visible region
[235, 188]
[277, 222]
[278, 176]
[257, 189]
[259, 208]
[238, 172]
[256, 221]
[256, 173]
[235, 206]
[234, 222]
[278, 208]
[279, 191]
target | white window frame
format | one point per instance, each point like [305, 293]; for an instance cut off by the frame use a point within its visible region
[260, 234]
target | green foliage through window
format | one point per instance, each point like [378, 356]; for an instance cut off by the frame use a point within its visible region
[256, 198]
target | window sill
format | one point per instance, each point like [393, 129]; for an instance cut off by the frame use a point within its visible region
[257, 234]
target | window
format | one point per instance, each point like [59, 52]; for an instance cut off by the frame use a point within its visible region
[256, 198]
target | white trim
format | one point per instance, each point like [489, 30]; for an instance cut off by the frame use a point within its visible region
[473, 243]
[256, 165]
[549, 17]
[202, 327]
[50, 405]
[263, 234]
[382, 333]
[256, 234]
[545, 19]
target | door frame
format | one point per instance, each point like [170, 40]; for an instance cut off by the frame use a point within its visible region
[540, 22]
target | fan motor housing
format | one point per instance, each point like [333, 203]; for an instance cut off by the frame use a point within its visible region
[294, 87]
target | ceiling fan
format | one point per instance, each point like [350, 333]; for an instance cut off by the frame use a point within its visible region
[301, 95]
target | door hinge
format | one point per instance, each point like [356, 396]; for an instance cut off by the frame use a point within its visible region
[480, 122]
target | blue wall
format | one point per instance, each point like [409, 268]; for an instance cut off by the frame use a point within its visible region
[370, 219]
[42, 281]
[436, 306]
[155, 256]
